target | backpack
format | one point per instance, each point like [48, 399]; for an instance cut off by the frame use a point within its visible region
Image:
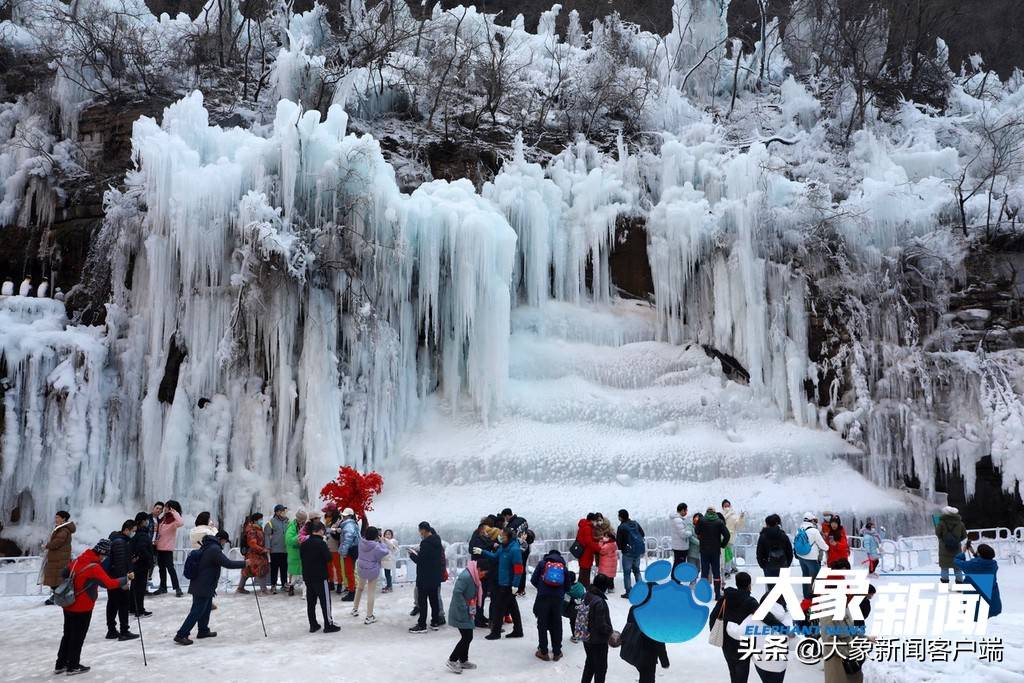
[951, 542]
[191, 568]
[581, 626]
[635, 544]
[801, 544]
[64, 595]
[553, 574]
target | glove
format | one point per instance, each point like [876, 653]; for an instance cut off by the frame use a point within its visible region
[477, 551]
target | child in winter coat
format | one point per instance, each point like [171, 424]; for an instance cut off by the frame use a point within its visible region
[608, 558]
[571, 603]
[872, 541]
[466, 596]
[371, 551]
[388, 563]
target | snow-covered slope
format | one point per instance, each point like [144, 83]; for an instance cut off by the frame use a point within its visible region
[598, 416]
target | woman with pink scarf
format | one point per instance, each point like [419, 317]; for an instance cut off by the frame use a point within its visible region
[465, 599]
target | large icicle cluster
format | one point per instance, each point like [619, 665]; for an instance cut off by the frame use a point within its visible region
[269, 298]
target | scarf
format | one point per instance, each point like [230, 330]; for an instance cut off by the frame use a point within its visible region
[474, 573]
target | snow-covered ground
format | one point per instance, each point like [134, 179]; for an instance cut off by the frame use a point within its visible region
[385, 651]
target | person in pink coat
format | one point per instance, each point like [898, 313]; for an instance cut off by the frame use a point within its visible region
[166, 540]
[608, 558]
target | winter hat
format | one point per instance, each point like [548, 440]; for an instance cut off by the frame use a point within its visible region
[102, 547]
[301, 516]
[348, 512]
[949, 510]
[330, 507]
[810, 517]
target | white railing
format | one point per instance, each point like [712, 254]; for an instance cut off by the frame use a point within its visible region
[18, 575]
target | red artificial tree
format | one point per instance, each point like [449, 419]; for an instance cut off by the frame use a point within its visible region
[353, 490]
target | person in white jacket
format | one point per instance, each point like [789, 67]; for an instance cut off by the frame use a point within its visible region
[682, 530]
[815, 545]
[388, 563]
[733, 522]
[202, 529]
[771, 669]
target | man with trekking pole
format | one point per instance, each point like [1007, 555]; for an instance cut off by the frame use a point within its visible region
[203, 572]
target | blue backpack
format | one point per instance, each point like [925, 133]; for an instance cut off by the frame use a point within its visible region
[801, 544]
[191, 568]
[635, 544]
[553, 574]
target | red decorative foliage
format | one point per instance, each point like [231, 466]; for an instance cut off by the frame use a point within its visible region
[353, 490]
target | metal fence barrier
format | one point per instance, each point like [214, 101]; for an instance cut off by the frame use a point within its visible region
[19, 575]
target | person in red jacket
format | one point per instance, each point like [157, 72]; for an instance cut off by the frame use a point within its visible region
[88, 576]
[835, 535]
[585, 537]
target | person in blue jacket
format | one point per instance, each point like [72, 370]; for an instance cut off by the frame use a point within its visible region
[983, 562]
[551, 578]
[510, 567]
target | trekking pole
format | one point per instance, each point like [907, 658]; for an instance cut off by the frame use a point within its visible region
[257, 596]
[138, 621]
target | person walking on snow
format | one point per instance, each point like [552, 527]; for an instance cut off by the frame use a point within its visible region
[598, 631]
[86, 574]
[733, 522]
[735, 605]
[430, 567]
[166, 537]
[316, 559]
[58, 551]
[371, 552]
[808, 546]
[774, 551]
[951, 533]
[388, 562]
[838, 546]
[465, 601]
[629, 538]
[714, 536]
[142, 563]
[872, 544]
[588, 545]
[646, 654]
[682, 532]
[204, 587]
[118, 565]
[274, 531]
[348, 549]
[291, 543]
[510, 566]
[551, 579]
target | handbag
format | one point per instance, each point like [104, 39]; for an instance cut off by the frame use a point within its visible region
[716, 636]
[851, 666]
[576, 549]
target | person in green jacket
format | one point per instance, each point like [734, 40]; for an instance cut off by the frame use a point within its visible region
[951, 533]
[291, 544]
[466, 598]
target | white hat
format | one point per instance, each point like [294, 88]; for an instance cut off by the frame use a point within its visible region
[949, 510]
[348, 512]
[810, 516]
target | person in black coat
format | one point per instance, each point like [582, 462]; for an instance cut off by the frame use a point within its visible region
[714, 536]
[316, 559]
[774, 549]
[739, 604]
[599, 620]
[204, 586]
[143, 559]
[647, 652]
[548, 605]
[481, 539]
[118, 564]
[429, 562]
